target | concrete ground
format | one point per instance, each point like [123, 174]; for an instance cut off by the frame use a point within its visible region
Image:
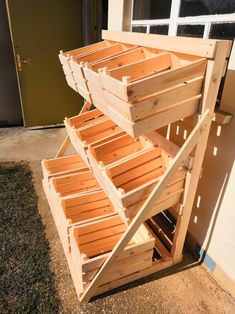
[184, 288]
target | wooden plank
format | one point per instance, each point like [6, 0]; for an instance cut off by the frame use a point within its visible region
[84, 116]
[166, 99]
[63, 147]
[193, 46]
[127, 267]
[139, 171]
[113, 115]
[174, 113]
[213, 76]
[135, 161]
[133, 249]
[82, 51]
[117, 61]
[156, 266]
[121, 265]
[86, 107]
[100, 54]
[149, 203]
[153, 104]
[142, 68]
[164, 80]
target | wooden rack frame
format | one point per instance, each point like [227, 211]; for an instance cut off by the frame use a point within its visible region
[215, 53]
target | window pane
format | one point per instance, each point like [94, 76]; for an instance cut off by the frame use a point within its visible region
[151, 9]
[139, 29]
[190, 30]
[205, 7]
[159, 29]
[222, 31]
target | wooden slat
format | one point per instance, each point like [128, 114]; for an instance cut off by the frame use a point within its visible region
[165, 80]
[174, 113]
[166, 99]
[102, 53]
[133, 162]
[193, 46]
[117, 61]
[142, 68]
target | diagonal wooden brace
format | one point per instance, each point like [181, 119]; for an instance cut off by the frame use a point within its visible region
[186, 149]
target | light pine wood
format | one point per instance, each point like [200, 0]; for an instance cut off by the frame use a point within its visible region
[63, 147]
[149, 203]
[140, 89]
[86, 107]
[193, 46]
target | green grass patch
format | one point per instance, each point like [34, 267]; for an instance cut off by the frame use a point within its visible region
[26, 281]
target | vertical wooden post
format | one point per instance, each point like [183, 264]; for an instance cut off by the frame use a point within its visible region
[211, 87]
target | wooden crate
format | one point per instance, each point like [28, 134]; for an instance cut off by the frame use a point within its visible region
[101, 155]
[79, 122]
[77, 63]
[138, 161]
[91, 70]
[91, 243]
[64, 57]
[83, 51]
[130, 181]
[94, 131]
[63, 165]
[69, 209]
[74, 61]
[149, 99]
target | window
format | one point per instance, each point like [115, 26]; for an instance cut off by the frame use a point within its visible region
[194, 18]
[151, 9]
[139, 29]
[190, 30]
[159, 29]
[222, 31]
[206, 7]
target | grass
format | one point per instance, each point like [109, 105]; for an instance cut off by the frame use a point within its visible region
[26, 282]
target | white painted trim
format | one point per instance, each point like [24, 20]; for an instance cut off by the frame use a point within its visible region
[176, 20]
[174, 14]
[207, 30]
[150, 22]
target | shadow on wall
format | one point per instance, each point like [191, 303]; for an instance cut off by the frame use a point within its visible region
[217, 169]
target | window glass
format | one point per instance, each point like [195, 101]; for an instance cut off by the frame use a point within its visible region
[206, 7]
[222, 31]
[190, 30]
[139, 29]
[151, 9]
[159, 29]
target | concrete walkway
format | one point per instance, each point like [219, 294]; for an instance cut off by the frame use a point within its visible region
[184, 288]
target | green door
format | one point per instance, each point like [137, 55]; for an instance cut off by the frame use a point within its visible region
[39, 29]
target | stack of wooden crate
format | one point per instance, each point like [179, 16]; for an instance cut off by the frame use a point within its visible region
[122, 203]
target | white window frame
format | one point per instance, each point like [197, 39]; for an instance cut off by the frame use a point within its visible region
[175, 20]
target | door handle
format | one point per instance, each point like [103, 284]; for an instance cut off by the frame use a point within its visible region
[20, 61]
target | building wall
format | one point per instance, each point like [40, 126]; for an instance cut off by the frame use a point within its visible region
[211, 229]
